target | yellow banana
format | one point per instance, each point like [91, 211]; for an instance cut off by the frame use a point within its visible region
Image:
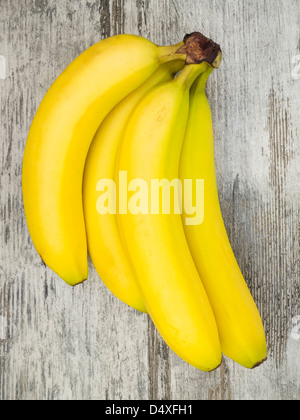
[240, 327]
[170, 285]
[104, 243]
[60, 137]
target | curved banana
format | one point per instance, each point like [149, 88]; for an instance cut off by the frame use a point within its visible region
[170, 285]
[240, 327]
[60, 137]
[104, 243]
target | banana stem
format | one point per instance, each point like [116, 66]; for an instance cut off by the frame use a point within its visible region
[165, 52]
[195, 49]
[190, 73]
[173, 66]
[200, 83]
[198, 49]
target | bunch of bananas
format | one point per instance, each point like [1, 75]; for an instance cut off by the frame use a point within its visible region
[127, 106]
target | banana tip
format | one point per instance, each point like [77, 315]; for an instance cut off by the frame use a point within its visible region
[259, 363]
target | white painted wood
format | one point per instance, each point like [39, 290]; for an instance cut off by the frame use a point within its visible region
[2, 67]
[62, 343]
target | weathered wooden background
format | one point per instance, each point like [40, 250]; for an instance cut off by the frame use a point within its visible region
[62, 343]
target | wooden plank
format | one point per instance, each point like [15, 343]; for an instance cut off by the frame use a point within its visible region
[63, 343]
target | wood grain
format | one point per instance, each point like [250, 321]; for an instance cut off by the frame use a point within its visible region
[62, 343]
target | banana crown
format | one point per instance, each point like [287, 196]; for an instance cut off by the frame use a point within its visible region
[198, 49]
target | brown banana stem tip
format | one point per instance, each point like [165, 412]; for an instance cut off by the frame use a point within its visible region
[260, 363]
[198, 48]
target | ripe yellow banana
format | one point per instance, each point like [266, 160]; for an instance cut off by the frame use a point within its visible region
[104, 243]
[240, 327]
[60, 137]
[170, 285]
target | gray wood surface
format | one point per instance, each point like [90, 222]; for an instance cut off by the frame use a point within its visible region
[62, 343]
